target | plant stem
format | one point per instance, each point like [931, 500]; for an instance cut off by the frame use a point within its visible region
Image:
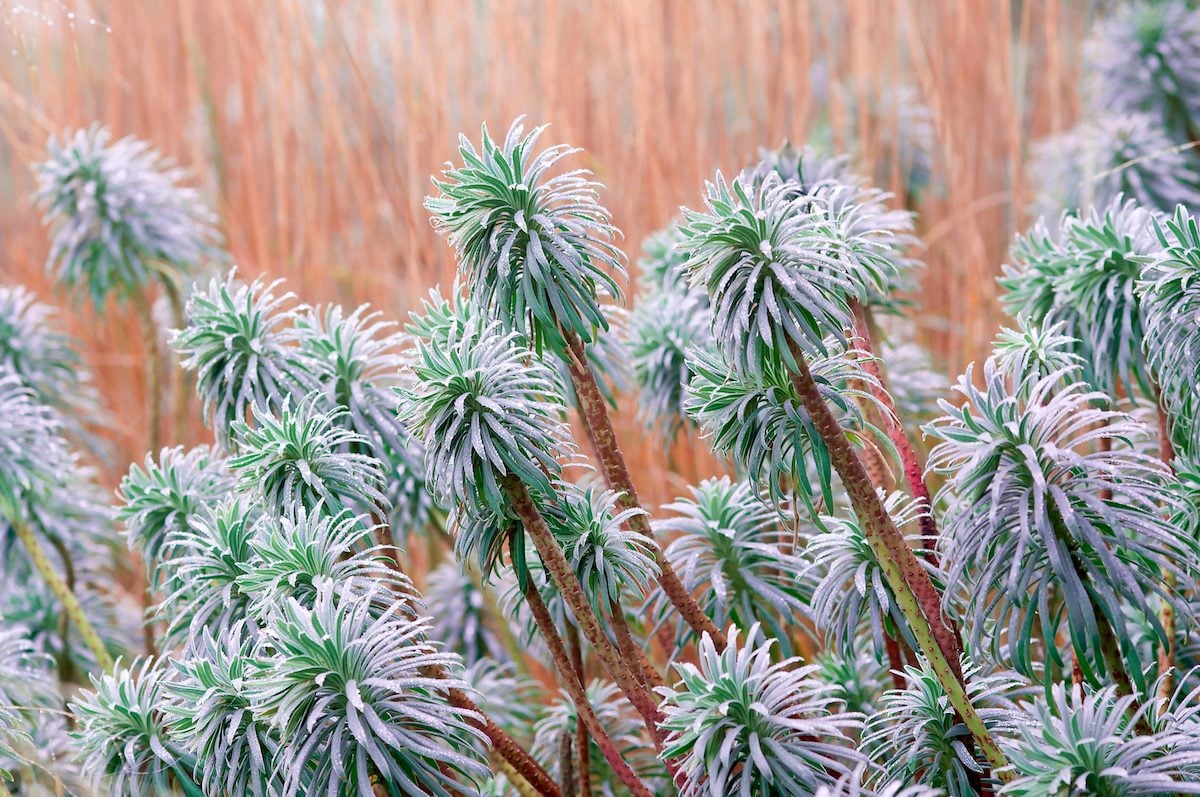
[645, 671]
[1166, 613]
[585, 768]
[182, 378]
[915, 594]
[502, 743]
[594, 412]
[564, 577]
[515, 779]
[895, 661]
[574, 688]
[66, 597]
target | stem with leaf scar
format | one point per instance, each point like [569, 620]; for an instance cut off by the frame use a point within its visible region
[915, 593]
[594, 411]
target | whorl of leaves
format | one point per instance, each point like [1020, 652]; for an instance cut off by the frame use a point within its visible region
[1171, 302]
[26, 685]
[849, 588]
[852, 785]
[1146, 57]
[738, 724]
[347, 692]
[240, 341]
[802, 168]
[297, 456]
[486, 408]
[535, 243]
[32, 454]
[729, 550]
[1085, 274]
[166, 496]
[1114, 155]
[1030, 351]
[1087, 744]
[122, 734]
[459, 616]
[209, 715]
[1044, 522]
[917, 736]
[914, 382]
[662, 266]
[119, 215]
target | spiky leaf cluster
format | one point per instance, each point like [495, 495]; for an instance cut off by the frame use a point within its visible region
[739, 724]
[459, 616]
[26, 687]
[1031, 351]
[241, 343]
[166, 496]
[917, 736]
[662, 266]
[803, 168]
[348, 692]
[122, 734]
[853, 785]
[730, 551]
[119, 215]
[32, 454]
[1084, 274]
[1044, 523]
[913, 381]
[535, 243]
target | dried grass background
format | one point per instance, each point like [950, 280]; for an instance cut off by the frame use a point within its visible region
[313, 128]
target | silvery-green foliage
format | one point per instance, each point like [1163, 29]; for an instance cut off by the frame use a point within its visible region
[1081, 744]
[482, 535]
[26, 685]
[443, 318]
[1171, 306]
[44, 760]
[486, 408]
[241, 342]
[509, 699]
[1110, 156]
[760, 423]
[856, 680]
[917, 737]
[347, 691]
[32, 454]
[459, 616]
[620, 722]
[853, 785]
[772, 270]
[1084, 274]
[662, 330]
[534, 242]
[166, 496]
[299, 555]
[209, 714]
[730, 551]
[302, 456]
[1146, 57]
[119, 215]
[662, 265]
[122, 734]
[1044, 522]
[360, 359]
[609, 559]
[802, 168]
[209, 555]
[46, 359]
[739, 724]
[1030, 351]
[849, 588]
[913, 382]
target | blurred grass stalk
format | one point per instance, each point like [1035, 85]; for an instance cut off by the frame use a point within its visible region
[314, 127]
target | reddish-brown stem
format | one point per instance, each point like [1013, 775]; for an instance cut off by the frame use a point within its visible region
[872, 514]
[581, 733]
[574, 687]
[914, 470]
[895, 661]
[603, 437]
[564, 578]
[645, 672]
[502, 743]
[1166, 613]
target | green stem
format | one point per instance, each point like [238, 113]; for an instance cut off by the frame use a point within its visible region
[915, 594]
[60, 589]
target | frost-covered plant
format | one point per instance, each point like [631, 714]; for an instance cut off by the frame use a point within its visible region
[209, 715]
[803, 168]
[913, 382]
[536, 245]
[296, 557]
[1114, 155]
[917, 737]
[662, 265]
[347, 691]
[459, 616]
[1082, 743]
[1030, 351]
[857, 682]
[1046, 525]
[166, 496]
[740, 724]
[123, 738]
[853, 785]
[509, 699]
[1171, 307]
[1084, 274]
[240, 341]
[1146, 57]
[849, 588]
[26, 686]
[119, 215]
[729, 549]
[295, 457]
[31, 452]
